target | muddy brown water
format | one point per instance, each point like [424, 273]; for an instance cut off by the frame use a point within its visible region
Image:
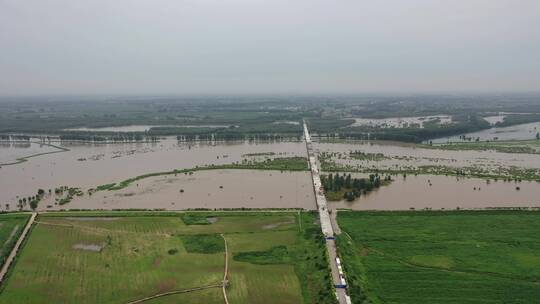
[446, 192]
[206, 189]
[87, 166]
[90, 165]
[11, 151]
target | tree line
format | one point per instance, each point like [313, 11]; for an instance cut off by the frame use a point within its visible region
[351, 188]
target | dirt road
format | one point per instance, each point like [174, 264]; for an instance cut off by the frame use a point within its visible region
[225, 280]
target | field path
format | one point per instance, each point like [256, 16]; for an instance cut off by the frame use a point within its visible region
[223, 284]
[16, 248]
[173, 293]
[225, 281]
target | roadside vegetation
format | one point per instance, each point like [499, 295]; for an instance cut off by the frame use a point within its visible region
[441, 257]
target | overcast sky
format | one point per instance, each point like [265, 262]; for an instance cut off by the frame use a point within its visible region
[274, 46]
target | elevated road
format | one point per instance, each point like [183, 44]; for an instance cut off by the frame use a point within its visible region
[326, 221]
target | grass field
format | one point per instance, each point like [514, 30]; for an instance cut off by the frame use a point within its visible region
[118, 258]
[209, 296]
[11, 226]
[441, 257]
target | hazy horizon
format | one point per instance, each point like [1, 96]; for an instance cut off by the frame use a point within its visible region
[237, 47]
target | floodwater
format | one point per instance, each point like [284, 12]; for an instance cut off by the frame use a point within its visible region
[140, 128]
[442, 192]
[402, 122]
[11, 151]
[287, 122]
[400, 155]
[90, 165]
[204, 189]
[517, 132]
[494, 119]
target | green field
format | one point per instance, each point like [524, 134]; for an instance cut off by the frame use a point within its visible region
[11, 226]
[79, 257]
[441, 257]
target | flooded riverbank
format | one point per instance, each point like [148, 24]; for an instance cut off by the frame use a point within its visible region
[89, 165]
[442, 192]
[204, 189]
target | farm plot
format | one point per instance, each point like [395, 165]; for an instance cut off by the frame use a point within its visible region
[121, 257]
[441, 257]
[11, 226]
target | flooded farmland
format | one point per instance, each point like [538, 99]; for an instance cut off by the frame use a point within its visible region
[517, 132]
[204, 189]
[140, 128]
[10, 152]
[444, 192]
[403, 122]
[90, 165]
[436, 191]
[395, 155]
